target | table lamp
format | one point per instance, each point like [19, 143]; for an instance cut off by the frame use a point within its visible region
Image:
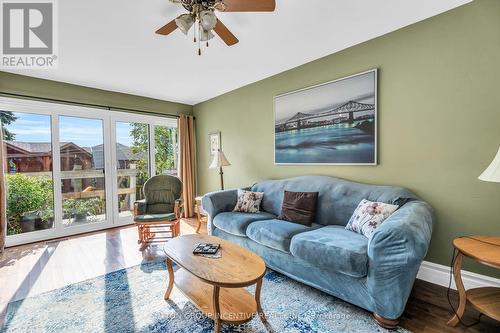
[220, 161]
[492, 172]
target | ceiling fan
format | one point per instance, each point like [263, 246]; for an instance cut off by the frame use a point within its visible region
[202, 16]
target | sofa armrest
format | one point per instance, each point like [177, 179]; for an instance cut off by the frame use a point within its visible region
[395, 252]
[217, 202]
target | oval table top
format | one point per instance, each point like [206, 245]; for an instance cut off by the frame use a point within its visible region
[236, 268]
[485, 249]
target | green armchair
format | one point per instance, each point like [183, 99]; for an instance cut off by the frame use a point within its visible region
[160, 211]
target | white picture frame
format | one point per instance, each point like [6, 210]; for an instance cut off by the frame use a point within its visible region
[214, 142]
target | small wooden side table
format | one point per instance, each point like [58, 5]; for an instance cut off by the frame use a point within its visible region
[200, 214]
[486, 250]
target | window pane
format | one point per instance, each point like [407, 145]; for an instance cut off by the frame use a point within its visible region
[82, 170]
[28, 168]
[132, 154]
[166, 150]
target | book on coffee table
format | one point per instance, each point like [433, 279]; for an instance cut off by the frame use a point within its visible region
[206, 248]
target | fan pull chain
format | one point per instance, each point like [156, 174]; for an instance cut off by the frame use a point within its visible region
[194, 32]
[199, 39]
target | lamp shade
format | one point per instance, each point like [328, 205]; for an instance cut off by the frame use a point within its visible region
[219, 160]
[206, 35]
[184, 22]
[208, 20]
[492, 172]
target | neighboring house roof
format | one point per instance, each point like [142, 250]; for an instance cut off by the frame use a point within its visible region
[32, 147]
[44, 147]
[123, 153]
[74, 148]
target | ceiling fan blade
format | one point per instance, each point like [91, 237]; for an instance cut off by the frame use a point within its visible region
[167, 28]
[224, 33]
[249, 5]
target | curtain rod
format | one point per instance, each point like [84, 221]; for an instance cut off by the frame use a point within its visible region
[107, 107]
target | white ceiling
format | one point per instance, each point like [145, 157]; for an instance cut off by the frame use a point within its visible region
[112, 45]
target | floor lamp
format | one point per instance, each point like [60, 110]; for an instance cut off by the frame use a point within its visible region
[220, 161]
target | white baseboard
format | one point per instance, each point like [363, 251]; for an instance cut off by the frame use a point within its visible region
[440, 274]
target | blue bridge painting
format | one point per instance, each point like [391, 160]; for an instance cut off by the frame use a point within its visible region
[333, 123]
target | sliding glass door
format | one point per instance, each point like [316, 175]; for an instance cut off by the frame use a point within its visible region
[132, 164]
[83, 185]
[28, 168]
[72, 169]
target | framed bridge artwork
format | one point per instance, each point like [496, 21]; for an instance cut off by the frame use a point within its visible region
[331, 123]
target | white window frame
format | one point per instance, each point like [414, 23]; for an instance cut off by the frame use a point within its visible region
[109, 119]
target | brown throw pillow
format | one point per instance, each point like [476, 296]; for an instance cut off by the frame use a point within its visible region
[299, 207]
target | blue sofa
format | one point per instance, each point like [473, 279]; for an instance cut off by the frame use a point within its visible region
[376, 274]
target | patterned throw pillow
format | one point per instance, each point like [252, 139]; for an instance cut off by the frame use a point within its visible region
[368, 216]
[248, 202]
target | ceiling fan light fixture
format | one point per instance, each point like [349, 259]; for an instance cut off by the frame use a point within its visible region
[184, 22]
[206, 35]
[208, 20]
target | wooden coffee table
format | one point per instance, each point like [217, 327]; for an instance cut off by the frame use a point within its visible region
[216, 286]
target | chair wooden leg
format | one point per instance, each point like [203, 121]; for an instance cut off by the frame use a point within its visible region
[146, 234]
[178, 228]
[149, 235]
[139, 229]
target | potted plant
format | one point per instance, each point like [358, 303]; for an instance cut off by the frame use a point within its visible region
[25, 196]
[80, 209]
[45, 219]
[28, 221]
[92, 206]
[74, 210]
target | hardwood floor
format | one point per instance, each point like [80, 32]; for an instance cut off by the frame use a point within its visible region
[31, 269]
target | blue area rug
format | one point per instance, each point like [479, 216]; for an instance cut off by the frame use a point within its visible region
[131, 300]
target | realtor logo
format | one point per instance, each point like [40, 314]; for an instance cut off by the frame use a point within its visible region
[28, 34]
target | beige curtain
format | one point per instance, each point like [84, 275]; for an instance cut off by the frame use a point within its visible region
[3, 220]
[187, 162]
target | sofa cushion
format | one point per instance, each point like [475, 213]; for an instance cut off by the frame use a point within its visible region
[248, 202]
[333, 248]
[236, 223]
[368, 216]
[276, 234]
[155, 217]
[299, 207]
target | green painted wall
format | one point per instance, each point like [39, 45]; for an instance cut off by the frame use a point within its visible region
[439, 120]
[25, 85]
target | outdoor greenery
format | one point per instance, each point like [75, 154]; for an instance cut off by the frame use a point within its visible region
[83, 207]
[7, 117]
[26, 195]
[140, 147]
[165, 142]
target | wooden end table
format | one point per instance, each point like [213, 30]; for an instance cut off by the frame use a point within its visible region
[486, 300]
[200, 214]
[217, 286]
